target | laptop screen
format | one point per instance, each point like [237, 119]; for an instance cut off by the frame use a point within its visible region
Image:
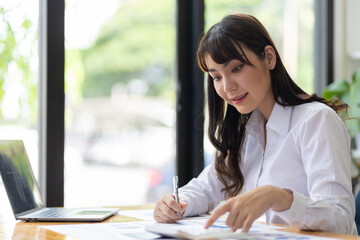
[18, 177]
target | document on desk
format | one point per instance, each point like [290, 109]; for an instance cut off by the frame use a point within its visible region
[193, 229]
[147, 214]
[105, 231]
[143, 214]
[137, 230]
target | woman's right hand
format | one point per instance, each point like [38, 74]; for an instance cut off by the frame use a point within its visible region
[167, 210]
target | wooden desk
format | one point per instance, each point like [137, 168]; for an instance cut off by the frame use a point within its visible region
[32, 230]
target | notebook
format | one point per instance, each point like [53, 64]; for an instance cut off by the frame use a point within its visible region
[24, 194]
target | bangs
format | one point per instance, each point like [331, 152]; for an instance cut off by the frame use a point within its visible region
[221, 48]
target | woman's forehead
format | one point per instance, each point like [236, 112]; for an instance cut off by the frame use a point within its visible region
[223, 58]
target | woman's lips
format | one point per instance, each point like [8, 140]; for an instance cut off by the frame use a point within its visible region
[240, 98]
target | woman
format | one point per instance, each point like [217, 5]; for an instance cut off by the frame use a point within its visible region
[280, 151]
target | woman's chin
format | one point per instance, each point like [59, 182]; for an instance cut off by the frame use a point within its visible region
[244, 110]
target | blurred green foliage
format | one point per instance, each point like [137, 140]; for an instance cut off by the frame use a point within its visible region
[348, 92]
[138, 42]
[15, 66]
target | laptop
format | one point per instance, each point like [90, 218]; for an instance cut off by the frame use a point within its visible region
[24, 193]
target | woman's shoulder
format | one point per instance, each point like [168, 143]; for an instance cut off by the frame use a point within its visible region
[315, 110]
[315, 119]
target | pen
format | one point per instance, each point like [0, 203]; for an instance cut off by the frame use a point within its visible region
[175, 187]
[176, 190]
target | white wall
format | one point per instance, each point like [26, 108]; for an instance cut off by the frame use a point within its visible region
[346, 38]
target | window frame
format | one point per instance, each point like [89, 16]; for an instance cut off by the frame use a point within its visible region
[190, 89]
[51, 101]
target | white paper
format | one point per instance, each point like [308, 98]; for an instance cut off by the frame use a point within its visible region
[145, 214]
[136, 230]
[105, 231]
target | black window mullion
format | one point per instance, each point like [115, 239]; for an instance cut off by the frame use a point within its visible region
[190, 90]
[55, 104]
[324, 44]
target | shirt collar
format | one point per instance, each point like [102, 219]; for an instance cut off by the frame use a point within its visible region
[279, 120]
[255, 122]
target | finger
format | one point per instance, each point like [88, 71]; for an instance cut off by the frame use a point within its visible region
[183, 205]
[163, 219]
[171, 203]
[216, 214]
[231, 219]
[236, 223]
[159, 216]
[168, 211]
[247, 224]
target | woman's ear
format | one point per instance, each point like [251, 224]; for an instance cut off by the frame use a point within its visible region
[270, 57]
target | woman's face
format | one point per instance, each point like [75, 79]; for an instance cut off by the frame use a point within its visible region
[244, 86]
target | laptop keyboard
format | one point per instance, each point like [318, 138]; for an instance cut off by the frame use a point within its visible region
[53, 212]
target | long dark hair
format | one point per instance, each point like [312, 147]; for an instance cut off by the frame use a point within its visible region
[226, 125]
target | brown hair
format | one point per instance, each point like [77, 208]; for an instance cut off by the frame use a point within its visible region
[226, 125]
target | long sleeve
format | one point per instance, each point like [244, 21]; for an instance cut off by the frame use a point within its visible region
[202, 193]
[325, 150]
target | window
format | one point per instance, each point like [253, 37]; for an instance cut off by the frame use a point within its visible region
[19, 77]
[120, 101]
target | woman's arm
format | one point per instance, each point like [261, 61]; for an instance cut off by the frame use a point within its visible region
[203, 193]
[199, 196]
[325, 147]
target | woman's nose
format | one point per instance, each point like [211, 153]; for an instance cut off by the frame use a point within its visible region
[229, 85]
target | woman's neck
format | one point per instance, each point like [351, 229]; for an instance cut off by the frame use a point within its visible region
[266, 108]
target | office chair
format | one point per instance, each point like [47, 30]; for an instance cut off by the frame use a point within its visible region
[357, 211]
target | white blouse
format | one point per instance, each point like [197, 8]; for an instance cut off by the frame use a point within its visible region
[308, 151]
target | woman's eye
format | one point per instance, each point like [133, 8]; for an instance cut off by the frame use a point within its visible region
[215, 78]
[238, 68]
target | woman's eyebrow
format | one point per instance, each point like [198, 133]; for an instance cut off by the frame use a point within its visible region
[227, 63]
[224, 65]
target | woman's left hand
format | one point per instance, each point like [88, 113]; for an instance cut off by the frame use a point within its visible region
[245, 208]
